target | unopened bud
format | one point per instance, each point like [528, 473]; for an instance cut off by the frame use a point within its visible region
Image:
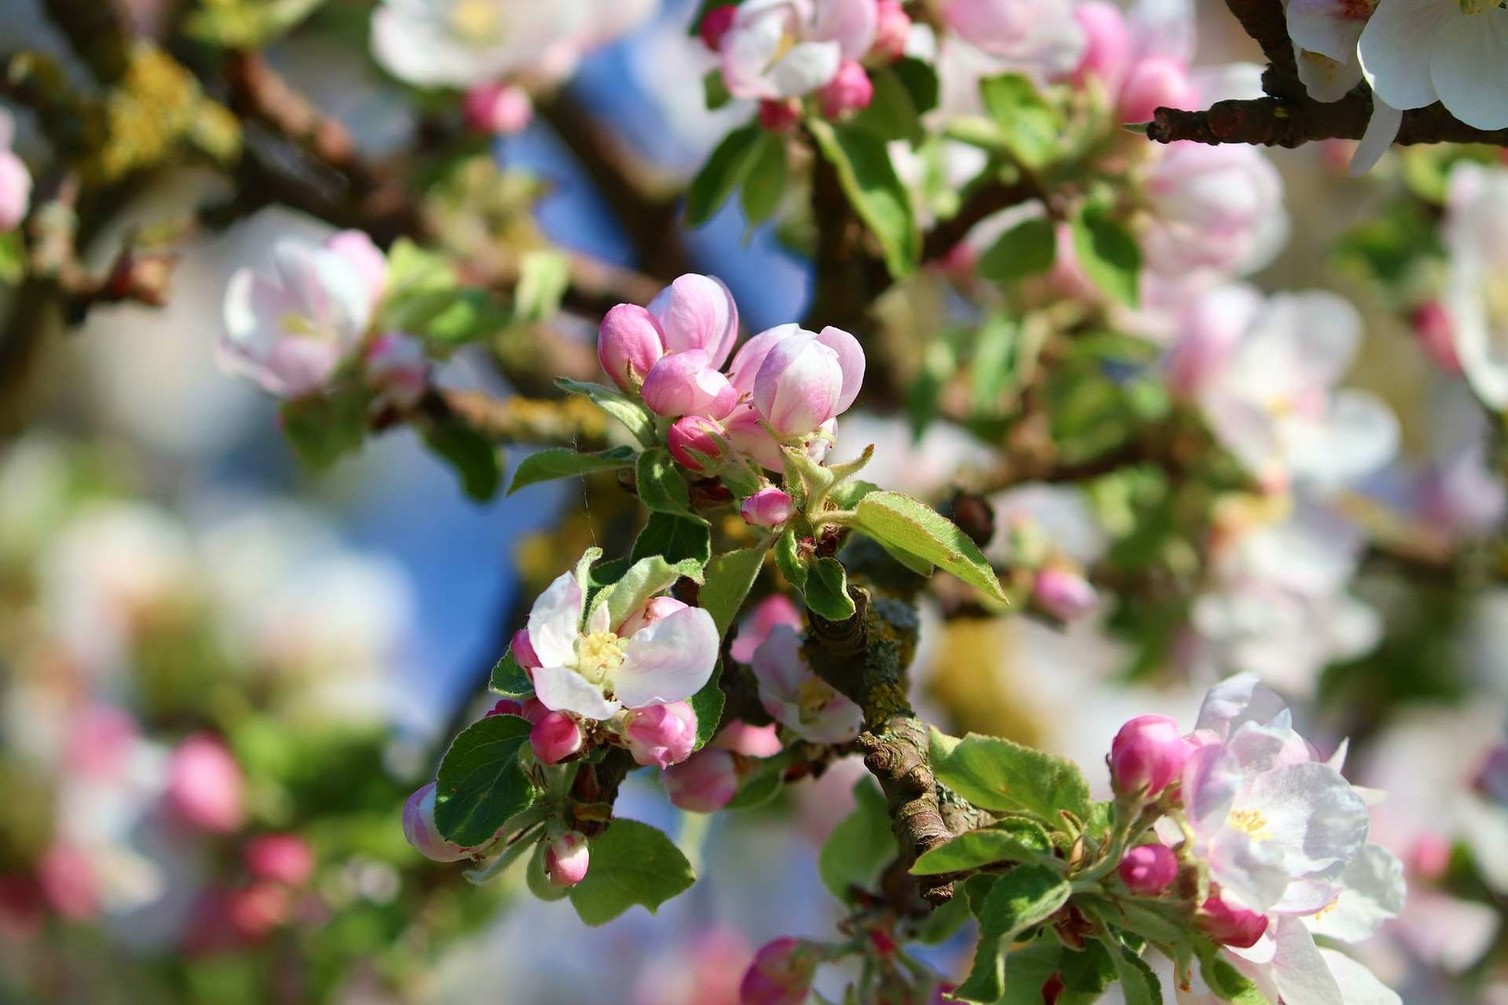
[781, 973]
[1147, 755]
[850, 91]
[420, 829]
[715, 24]
[703, 783]
[1231, 926]
[697, 443]
[499, 109]
[779, 116]
[891, 31]
[555, 737]
[567, 859]
[661, 735]
[1148, 869]
[768, 508]
[1063, 593]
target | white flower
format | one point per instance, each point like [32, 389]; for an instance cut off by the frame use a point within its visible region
[796, 697]
[1417, 52]
[1325, 33]
[1275, 407]
[788, 48]
[460, 43]
[290, 329]
[1476, 290]
[592, 671]
[1213, 207]
[15, 179]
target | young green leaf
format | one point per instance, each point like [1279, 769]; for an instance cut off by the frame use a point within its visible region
[1139, 985]
[323, 428]
[632, 863]
[767, 181]
[1013, 839]
[1027, 249]
[788, 561]
[645, 578]
[1026, 896]
[724, 171]
[474, 457]
[508, 678]
[708, 706]
[1107, 253]
[633, 415]
[900, 522]
[543, 277]
[563, 462]
[860, 847]
[827, 590]
[480, 784]
[997, 774]
[730, 576]
[662, 489]
[1031, 129]
[869, 180]
[674, 539]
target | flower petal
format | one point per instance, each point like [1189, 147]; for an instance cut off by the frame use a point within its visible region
[1395, 54]
[555, 621]
[698, 312]
[671, 660]
[850, 358]
[562, 689]
[1470, 68]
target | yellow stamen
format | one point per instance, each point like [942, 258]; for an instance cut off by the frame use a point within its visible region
[597, 655]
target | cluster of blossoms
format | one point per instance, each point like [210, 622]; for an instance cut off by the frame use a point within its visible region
[15, 179]
[295, 328]
[780, 51]
[785, 386]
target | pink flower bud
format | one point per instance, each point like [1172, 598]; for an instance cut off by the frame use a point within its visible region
[420, 830]
[505, 706]
[567, 858]
[533, 710]
[279, 858]
[629, 342]
[500, 109]
[781, 974]
[747, 436]
[1492, 777]
[523, 650]
[1107, 43]
[1429, 858]
[751, 741]
[1155, 83]
[704, 782]
[684, 383]
[555, 737]
[1436, 335]
[697, 312]
[850, 91]
[1231, 926]
[768, 508]
[715, 24]
[15, 190]
[661, 735]
[1063, 593]
[358, 248]
[205, 785]
[69, 883]
[395, 365]
[652, 611]
[1147, 755]
[891, 31]
[691, 435]
[258, 910]
[807, 379]
[779, 116]
[1148, 869]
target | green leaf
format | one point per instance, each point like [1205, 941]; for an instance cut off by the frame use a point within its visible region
[1026, 896]
[1139, 985]
[1107, 253]
[920, 80]
[508, 678]
[1014, 839]
[730, 576]
[632, 414]
[645, 578]
[1032, 131]
[891, 113]
[241, 25]
[827, 590]
[673, 538]
[724, 171]
[996, 365]
[1226, 981]
[462, 316]
[761, 785]
[708, 706]
[876, 194]
[944, 922]
[1028, 968]
[661, 487]
[322, 428]
[563, 462]
[1087, 972]
[472, 456]
[12, 258]
[898, 521]
[480, 784]
[542, 280]
[1027, 249]
[997, 774]
[632, 863]
[715, 90]
[788, 560]
[767, 181]
[415, 287]
[860, 847]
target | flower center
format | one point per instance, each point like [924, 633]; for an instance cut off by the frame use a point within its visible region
[1253, 822]
[300, 326]
[478, 22]
[598, 655]
[1494, 292]
[812, 697]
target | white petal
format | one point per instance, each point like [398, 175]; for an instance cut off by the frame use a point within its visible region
[1327, 79]
[808, 66]
[671, 660]
[1470, 68]
[1313, 814]
[1301, 972]
[564, 690]
[1382, 130]
[1373, 891]
[1395, 52]
[1321, 26]
[1358, 435]
[1358, 985]
[555, 621]
[1240, 699]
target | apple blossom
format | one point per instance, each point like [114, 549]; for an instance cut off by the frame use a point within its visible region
[15, 179]
[703, 783]
[421, 832]
[800, 380]
[279, 858]
[1022, 31]
[780, 49]
[588, 669]
[769, 508]
[661, 735]
[849, 91]
[1063, 593]
[395, 366]
[693, 313]
[685, 383]
[498, 108]
[555, 737]
[796, 697]
[1212, 207]
[290, 329]
[781, 973]
[205, 785]
[1148, 869]
[567, 859]
[1416, 52]
[1147, 755]
[776, 609]
[697, 442]
[1231, 926]
[1475, 234]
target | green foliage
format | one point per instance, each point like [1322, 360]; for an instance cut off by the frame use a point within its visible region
[661, 487]
[1014, 839]
[424, 297]
[480, 785]
[1021, 899]
[1107, 253]
[869, 181]
[631, 864]
[827, 590]
[246, 24]
[903, 524]
[1030, 128]
[730, 576]
[634, 416]
[475, 459]
[322, 428]
[860, 847]
[997, 774]
[508, 678]
[1027, 249]
[1139, 985]
[708, 706]
[644, 579]
[767, 180]
[543, 277]
[563, 462]
[674, 538]
[725, 170]
[12, 258]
